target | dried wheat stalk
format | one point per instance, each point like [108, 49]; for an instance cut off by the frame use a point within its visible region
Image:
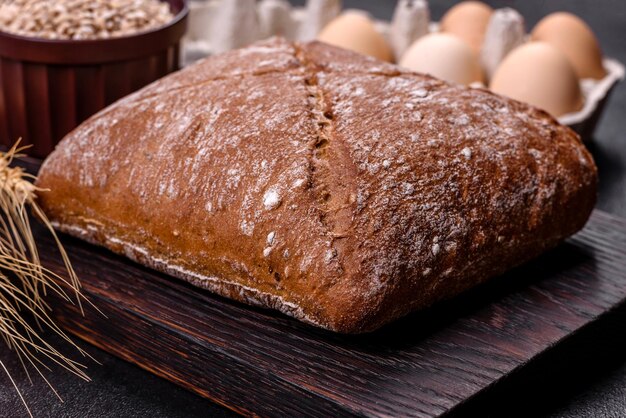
[24, 282]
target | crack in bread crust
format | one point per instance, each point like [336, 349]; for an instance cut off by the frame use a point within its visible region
[332, 172]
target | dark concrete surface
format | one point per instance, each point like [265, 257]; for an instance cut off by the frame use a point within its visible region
[590, 383]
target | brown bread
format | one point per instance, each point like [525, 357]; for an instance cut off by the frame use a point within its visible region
[338, 189]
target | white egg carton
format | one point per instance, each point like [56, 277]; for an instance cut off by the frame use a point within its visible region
[220, 25]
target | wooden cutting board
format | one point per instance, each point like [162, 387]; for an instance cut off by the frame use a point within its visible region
[258, 362]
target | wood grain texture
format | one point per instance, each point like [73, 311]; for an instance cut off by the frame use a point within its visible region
[429, 364]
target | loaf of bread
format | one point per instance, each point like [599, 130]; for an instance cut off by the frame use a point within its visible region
[340, 190]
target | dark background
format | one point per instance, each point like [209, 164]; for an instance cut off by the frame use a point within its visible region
[586, 378]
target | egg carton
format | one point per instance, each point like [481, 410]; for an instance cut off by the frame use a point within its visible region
[215, 26]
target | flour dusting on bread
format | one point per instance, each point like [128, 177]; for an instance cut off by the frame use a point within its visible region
[309, 179]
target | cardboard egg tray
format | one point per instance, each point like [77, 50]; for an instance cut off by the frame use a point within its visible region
[209, 33]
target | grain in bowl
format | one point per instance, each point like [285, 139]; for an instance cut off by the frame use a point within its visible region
[49, 86]
[82, 19]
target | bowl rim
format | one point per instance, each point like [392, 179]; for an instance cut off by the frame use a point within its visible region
[95, 51]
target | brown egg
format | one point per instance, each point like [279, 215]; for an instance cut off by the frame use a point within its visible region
[539, 74]
[468, 20]
[443, 56]
[575, 39]
[355, 31]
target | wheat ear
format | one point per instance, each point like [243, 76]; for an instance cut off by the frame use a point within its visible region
[24, 282]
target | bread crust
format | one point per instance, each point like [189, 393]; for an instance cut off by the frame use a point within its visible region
[338, 189]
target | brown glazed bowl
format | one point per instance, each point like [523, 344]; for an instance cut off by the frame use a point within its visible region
[48, 87]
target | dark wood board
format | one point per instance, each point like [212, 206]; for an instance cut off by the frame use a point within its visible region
[258, 362]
